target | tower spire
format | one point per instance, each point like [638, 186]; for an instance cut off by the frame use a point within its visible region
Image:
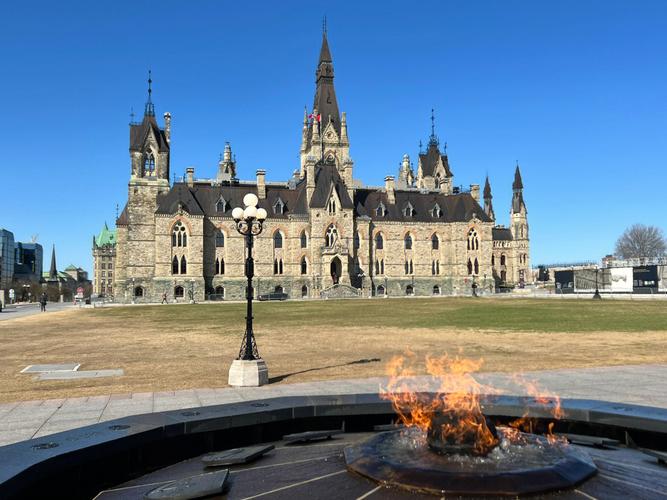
[324, 25]
[53, 272]
[149, 110]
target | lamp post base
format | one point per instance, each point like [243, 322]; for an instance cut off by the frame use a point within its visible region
[252, 373]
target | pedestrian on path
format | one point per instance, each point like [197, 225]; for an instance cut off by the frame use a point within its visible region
[164, 298]
[42, 302]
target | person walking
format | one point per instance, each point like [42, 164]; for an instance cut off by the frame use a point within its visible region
[164, 298]
[42, 302]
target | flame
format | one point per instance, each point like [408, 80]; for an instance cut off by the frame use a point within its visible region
[456, 400]
[447, 402]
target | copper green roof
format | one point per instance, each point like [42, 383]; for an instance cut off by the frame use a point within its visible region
[107, 236]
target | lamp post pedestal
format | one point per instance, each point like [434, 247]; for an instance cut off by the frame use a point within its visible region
[248, 373]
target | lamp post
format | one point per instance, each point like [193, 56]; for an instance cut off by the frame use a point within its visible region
[249, 369]
[597, 295]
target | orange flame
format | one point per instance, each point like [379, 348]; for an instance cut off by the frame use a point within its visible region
[457, 399]
[449, 398]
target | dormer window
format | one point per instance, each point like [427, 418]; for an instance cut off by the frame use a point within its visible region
[436, 211]
[279, 207]
[331, 206]
[221, 205]
[409, 210]
[149, 163]
[381, 210]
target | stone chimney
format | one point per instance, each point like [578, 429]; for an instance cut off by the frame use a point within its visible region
[167, 126]
[474, 192]
[390, 187]
[261, 184]
[190, 176]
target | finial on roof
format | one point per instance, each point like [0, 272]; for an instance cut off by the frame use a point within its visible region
[131, 115]
[445, 148]
[420, 146]
[433, 140]
[324, 25]
[117, 211]
[149, 110]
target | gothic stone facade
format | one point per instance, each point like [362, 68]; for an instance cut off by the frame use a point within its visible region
[325, 234]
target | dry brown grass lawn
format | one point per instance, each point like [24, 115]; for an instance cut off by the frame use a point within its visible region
[160, 351]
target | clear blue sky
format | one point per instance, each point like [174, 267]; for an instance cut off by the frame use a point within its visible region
[574, 90]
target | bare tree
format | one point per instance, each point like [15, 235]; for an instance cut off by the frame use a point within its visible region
[641, 241]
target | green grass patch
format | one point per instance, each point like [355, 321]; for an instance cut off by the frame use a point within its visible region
[538, 315]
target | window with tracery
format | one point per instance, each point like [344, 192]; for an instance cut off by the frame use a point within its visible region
[219, 239]
[473, 241]
[149, 163]
[179, 236]
[435, 242]
[304, 240]
[221, 205]
[304, 265]
[277, 240]
[379, 241]
[331, 235]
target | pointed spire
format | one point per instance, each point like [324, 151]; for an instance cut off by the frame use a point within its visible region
[518, 183]
[149, 109]
[53, 272]
[325, 54]
[487, 189]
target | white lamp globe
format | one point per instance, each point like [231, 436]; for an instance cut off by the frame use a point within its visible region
[250, 200]
[250, 212]
[261, 214]
[237, 213]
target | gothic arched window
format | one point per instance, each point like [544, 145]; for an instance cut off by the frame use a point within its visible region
[379, 241]
[279, 207]
[174, 265]
[409, 210]
[277, 240]
[184, 265]
[473, 241]
[493, 261]
[502, 259]
[436, 212]
[381, 210]
[469, 266]
[331, 206]
[409, 290]
[219, 239]
[277, 266]
[436, 290]
[304, 265]
[435, 242]
[221, 205]
[408, 242]
[476, 266]
[304, 291]
[149, 163]
[178, 292]
[179, 237]
[331, 236]
[304, 240]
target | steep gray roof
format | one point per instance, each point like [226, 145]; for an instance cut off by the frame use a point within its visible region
[139, 133]
[430, 159]
[455, 208]
[502, 234]
[327, 179]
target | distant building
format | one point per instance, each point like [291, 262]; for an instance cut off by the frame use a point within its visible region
[7, 259]
[104, 261]
[61, 286]
[28, 264]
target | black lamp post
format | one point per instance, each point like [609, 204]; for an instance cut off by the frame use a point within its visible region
[249, 223]
[597, 295]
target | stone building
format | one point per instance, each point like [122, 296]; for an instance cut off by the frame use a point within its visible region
[104, 261]
[61, 286]
[325, 235]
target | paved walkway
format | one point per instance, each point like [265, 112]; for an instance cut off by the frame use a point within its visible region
[22, 310]
[640, 384]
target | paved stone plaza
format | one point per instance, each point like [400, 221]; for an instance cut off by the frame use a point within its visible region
[634, 384]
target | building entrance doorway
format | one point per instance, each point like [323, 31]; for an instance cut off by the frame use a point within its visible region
[336, 270]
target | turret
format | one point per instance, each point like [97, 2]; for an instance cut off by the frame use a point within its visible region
[488, 205]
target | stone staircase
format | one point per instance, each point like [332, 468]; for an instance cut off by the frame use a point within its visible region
[340, 291]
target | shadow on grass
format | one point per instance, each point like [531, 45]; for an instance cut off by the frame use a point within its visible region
[280, 378]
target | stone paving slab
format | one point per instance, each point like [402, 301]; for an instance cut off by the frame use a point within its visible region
[79, 375]
[639, 384]
[65, 367]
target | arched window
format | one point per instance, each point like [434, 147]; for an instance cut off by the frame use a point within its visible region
[304, 291]
[220, 291]
[279, 289]
[493, 261]
[437, 267]
[178, 292]
[304, 265]
[469, 266]
[381, 266]
[179, 237]
[381, 210]
[149, 163]
[279, 207]
[331, 206]
[502, 259]
[380, 291]
[221, 205]
[409, 290]
[436, 212]
[138, 291]
[304, 240]
[184, 265]
[356, 240]
[174, 265]
[331, 236]
[219, 239]
[379, 241]
[408, 210]
[435, 242]
[436, 290]
[408, 242]
[277, 266]
[219, 266]
[277, 240]
[411, 269]
[473, 242]
[476, 266]
[377, 267]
